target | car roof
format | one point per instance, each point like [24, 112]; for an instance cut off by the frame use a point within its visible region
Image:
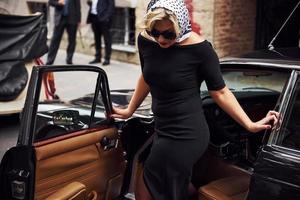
[277, 58]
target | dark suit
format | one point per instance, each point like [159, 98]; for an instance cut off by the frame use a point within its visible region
[101, 24]
[61, 22]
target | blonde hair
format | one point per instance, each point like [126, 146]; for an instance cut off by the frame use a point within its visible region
[159, 14]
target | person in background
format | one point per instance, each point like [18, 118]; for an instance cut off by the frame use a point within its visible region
[100, 17]
[175, 61]
[67, 16]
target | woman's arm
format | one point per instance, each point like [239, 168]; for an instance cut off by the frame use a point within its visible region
[140, 93]
[227, 101]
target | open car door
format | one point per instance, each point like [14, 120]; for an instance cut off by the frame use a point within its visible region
[68, 147]
[277, 169]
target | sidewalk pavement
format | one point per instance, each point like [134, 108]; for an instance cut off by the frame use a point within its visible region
[120, 75]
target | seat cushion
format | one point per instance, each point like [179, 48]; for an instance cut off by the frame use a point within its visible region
[229, 188]
[72, 191]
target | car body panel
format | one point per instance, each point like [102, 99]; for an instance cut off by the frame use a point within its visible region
[276, 176]
[17, 171]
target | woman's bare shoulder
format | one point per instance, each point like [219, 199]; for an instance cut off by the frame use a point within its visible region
[193, 39]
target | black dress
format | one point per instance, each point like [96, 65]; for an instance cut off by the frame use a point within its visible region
[174, 76]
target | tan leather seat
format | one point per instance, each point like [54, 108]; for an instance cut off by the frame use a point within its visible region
[229, 188]
[74, 191]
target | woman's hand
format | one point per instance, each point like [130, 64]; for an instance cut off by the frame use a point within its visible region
[140, 92]
[271, 119]
[121, 113]
[61, 2]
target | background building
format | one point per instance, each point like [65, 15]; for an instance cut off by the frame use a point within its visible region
[232, 26]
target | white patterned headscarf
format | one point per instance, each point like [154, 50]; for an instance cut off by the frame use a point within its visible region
[181, 12]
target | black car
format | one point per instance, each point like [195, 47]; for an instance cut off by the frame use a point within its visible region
[69, 146]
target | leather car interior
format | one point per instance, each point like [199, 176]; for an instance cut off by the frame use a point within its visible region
[217, 179]
[82, 159]
[72, 191]
[211, 167]
[229, 188]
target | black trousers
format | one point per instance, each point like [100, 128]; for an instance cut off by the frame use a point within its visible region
[56, 39]
[101, 28]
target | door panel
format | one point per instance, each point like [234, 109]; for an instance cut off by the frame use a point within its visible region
[75, 142]
[81, 159]
[275, 176]
[277, 169]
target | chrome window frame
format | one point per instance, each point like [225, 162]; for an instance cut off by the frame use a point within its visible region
[287, 152]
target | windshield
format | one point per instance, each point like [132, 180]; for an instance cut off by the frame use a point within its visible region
[252, 80]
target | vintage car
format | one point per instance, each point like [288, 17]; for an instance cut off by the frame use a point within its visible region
[69, 147]
[22, 41]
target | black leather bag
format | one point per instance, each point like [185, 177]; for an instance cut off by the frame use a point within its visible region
[22, 39]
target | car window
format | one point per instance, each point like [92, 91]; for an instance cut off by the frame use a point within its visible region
[70, 109]
[252, 80]
[289, 135]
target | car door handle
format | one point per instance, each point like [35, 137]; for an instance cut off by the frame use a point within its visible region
[108, 143]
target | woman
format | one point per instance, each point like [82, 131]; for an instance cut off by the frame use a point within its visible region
[175, 61]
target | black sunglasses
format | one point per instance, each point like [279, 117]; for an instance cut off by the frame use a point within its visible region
[169, 35]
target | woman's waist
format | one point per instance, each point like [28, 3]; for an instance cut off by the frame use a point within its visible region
[174, 95]
[177, 107]
[188, 126]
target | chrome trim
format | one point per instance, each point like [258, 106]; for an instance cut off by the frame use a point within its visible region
[266, 64]
[284, 105]
[275, 180]
[287, 152]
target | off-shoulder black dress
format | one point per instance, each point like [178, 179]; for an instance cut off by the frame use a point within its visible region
[174, 76]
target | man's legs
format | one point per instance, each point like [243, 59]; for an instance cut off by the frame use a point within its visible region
[55, 42]
[97, 38]
[71, 30]
[105, 29]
